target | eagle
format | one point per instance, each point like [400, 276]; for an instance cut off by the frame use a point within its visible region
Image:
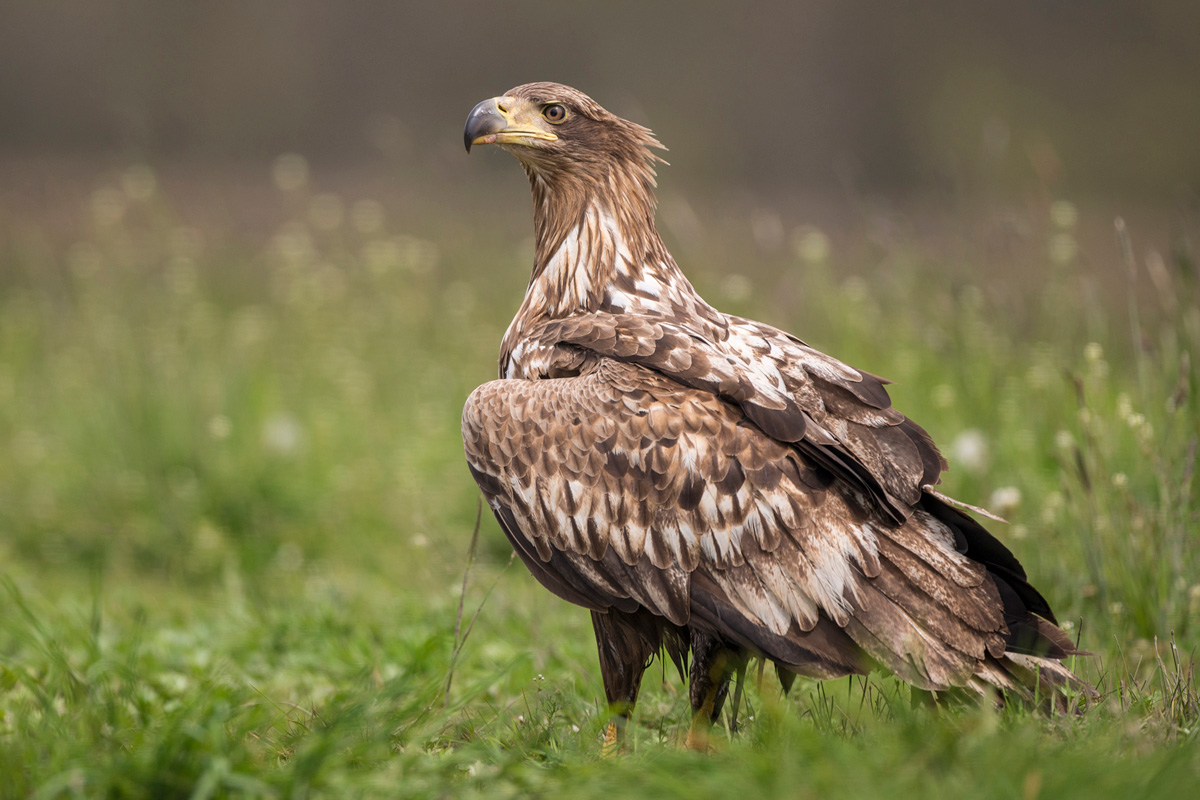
[710, 487]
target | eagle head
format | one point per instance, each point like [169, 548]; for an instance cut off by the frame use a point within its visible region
[554, 130]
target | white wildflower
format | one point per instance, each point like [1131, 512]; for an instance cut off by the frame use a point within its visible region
[282, 434]
[970, 449]
[1005, 500]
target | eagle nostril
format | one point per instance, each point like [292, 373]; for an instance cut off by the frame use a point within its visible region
[503, 109]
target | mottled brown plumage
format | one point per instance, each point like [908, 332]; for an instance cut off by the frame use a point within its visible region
[710, 486]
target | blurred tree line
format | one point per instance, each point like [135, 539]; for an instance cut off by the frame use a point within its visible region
[1105, 94]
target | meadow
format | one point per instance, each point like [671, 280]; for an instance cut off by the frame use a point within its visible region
[238, 551]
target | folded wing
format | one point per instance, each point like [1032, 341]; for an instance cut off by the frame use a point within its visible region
[623, 489]
[840, 417]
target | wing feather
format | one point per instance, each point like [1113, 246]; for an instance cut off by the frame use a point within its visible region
[673, 503]
[795, 394]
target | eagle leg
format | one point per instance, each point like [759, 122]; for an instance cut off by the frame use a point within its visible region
[737, 697]
[713, 664]
[624, 655]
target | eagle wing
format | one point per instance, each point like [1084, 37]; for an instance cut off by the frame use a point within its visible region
[840, 417]
[621, 488]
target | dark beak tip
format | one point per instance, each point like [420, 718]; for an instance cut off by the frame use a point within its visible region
[484, 119]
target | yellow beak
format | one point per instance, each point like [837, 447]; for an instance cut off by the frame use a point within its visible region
[505, 120]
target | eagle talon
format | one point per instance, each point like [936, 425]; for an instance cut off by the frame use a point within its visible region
[613, 741]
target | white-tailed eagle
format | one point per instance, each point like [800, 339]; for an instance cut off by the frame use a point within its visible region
[710, 486]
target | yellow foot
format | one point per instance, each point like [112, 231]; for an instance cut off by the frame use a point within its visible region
[698, 736]
[612, 741]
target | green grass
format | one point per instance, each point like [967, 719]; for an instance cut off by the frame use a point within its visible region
[234, 517]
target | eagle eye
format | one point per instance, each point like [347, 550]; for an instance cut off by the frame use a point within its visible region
[554, 112]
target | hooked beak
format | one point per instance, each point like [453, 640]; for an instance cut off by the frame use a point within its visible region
[504, 120]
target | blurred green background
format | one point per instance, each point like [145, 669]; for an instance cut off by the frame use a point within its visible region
[248, 277]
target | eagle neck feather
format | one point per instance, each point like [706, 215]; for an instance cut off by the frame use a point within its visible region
[593, 229]
[597, 248]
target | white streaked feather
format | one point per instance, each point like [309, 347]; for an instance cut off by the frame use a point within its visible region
[649, 286]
